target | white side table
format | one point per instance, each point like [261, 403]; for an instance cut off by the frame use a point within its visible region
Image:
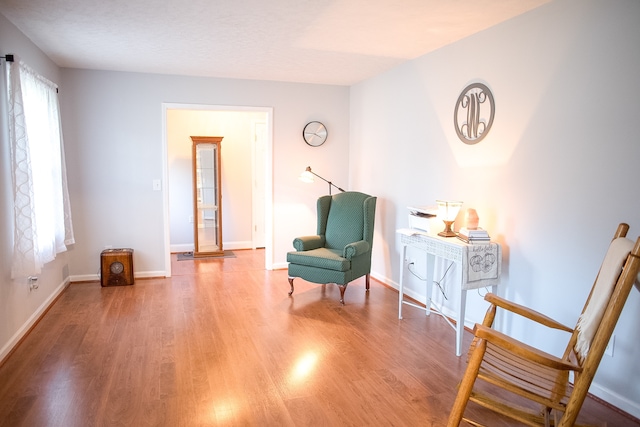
[480, 266]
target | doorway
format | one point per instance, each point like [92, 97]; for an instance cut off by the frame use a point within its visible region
[248, 143]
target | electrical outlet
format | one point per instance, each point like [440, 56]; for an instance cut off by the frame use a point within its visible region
[190, 219]
[33, 283]
[609, 349]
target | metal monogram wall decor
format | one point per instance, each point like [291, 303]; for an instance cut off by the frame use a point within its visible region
[473, 115]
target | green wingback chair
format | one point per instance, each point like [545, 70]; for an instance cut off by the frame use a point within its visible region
[341, 250]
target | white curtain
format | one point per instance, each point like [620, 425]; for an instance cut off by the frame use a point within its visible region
[42, 213]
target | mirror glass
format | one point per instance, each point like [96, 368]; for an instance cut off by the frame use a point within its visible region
[206, 196]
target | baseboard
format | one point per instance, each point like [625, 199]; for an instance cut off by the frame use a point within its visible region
[606, 396]
[380, 278]
[420, 298]
[149, 274]
[615, 400]
[136, 275]
[280, 266]
[31, 322]
[188, 247]
[85, 278]
[235, 246]
[231, 246]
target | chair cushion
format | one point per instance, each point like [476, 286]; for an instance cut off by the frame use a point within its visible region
[345, 222]
[607, 277]
[322, 258]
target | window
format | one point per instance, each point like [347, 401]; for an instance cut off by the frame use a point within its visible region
[42, 214]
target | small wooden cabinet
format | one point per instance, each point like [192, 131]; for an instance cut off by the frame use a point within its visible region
[116, 267]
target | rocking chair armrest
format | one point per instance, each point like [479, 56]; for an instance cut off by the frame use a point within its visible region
[523, 350]
[307, 243]
[525, 312]
[356, 248]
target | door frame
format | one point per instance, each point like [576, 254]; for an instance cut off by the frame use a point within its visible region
[268, 176]
[258, 147]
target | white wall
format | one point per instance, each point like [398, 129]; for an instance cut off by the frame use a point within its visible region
[19, 308]
[236, 127]
[551, 181]
[114, 152]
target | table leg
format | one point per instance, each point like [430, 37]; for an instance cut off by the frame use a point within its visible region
[428, 282]
[460, 322]
[403, 253]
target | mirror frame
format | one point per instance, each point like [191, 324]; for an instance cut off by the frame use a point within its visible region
[215, 140]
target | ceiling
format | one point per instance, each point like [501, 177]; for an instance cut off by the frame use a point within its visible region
[339, 42]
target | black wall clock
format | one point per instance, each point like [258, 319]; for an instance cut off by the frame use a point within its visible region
[314, 134]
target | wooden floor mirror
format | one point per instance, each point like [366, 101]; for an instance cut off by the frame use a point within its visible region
[207, 198]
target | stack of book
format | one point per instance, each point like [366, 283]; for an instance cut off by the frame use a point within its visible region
[474, 236]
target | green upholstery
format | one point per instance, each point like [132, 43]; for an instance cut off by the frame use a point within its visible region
[341, 249]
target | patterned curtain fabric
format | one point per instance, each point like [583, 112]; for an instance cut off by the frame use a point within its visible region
[42, 213]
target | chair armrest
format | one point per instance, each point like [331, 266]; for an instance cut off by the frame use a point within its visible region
[306, 243]
[521, 349]
[525, 312]
[356, 248]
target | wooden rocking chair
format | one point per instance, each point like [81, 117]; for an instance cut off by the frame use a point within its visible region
[536, 376]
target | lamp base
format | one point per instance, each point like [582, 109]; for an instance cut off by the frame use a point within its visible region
[447, 232]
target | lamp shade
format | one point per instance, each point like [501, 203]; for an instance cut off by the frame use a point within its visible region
[448, 210]
[306, 176]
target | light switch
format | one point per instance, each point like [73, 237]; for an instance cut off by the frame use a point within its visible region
[157, 185]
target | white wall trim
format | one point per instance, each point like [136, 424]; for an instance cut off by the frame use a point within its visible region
[247, 244]
[614, 399]
[33, 319]
[268, 175]
[421, 298]
[280, 266]
[232, 246]
[184, 247]
[85, 278]
[165, 192]
[136, 275]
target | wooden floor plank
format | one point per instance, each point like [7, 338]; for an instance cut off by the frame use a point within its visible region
[221, 343]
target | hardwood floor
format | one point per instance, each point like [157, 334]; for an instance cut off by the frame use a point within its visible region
[221, 343]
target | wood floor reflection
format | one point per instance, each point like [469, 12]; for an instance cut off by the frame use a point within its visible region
[221, 343]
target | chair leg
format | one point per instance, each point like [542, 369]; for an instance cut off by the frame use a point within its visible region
[466, 386]
[291, 284]
[342, 289]
[366, 281]
[547, 416]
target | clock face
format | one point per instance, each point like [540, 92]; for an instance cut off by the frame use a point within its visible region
[116, 267]
[314, 134]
